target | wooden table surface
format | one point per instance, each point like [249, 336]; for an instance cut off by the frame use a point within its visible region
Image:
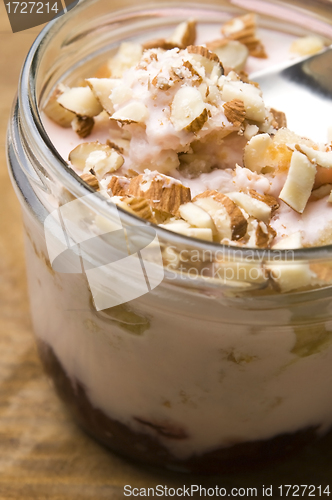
[43, 455]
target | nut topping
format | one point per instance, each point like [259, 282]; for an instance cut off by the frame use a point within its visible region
[231, 53]
[243, 29]
[188, 110]
[81, 101]
[82, 125]
[56, 112]
[133, 112]
[99, 157]
[91, 180]
[299, 183]
[228, 218]
[235, 112]
[164, 193]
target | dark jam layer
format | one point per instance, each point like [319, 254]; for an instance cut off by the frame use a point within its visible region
[145, 449]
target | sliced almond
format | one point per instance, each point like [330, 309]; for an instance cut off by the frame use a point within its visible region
[279, 119]
[299, 183]
[235, 112]
[140, 207]
[82, 125]
[164, 192]
[118, 185]
[291, 242]
[255, 152]
[188, 110]
[207, 59]
[196, 216]
[184, 34]
[102, 88]
[254, 207]
[99, 157]
[133, 112]
[249, 94]
[243, 29]
[228, 218]
[56, 112]
[91, 180]
[80, 100]
[321, 158]
[231, 53]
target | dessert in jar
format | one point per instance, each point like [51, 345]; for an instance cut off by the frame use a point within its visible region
[228, 360]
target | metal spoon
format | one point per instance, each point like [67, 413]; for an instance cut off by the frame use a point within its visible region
[303, 90]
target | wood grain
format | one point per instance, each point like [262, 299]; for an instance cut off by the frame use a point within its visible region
[43, 455]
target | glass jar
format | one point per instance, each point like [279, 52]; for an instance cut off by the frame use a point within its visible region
[169, 350]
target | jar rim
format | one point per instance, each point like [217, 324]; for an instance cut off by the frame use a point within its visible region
[29, 111]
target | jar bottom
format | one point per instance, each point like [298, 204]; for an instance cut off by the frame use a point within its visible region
[146, 450]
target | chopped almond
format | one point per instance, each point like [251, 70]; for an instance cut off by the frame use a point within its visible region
[253, 206]
[271, 201]
[82, 125]
[192, 232]
[91, 180]
[299, 183]
[188, 110]
[321, 158]
[184, 34]
[228, 218]
[243, 29]
[133, 112]
[140, 207]
[207, 59]
[161, 82]
[196, 216]
[81, 101]
[250, 95]
[118, 185]
[164, 192]
[231, 53]
[255, 152]
[56, 112]
[261, 234]
[235, 112]
[99, 157]
[102, 88]
[279, 119]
